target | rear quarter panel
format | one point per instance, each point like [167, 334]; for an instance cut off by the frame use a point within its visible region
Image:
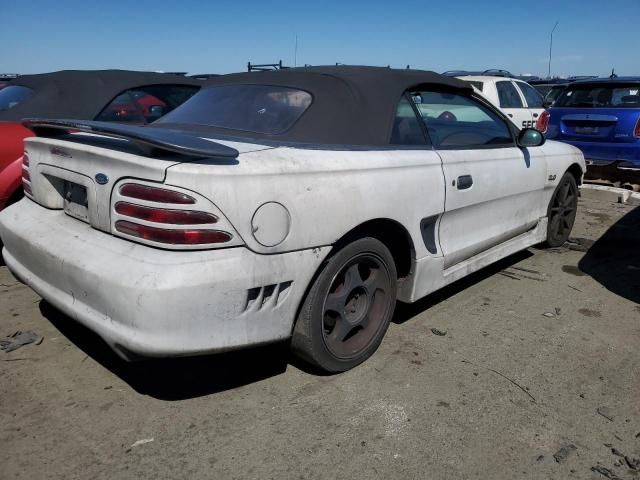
[327, 193]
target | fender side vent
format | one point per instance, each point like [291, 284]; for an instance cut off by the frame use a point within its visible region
[428, 230]
[266, 297]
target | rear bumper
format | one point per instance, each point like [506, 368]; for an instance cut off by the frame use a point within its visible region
[596, 153]
[154, 302]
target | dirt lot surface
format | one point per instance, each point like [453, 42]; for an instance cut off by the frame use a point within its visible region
[541, 357]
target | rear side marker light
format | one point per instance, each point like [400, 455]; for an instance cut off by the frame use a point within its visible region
[154, 194]
[163, 215]
[543, 122]
[173, 237]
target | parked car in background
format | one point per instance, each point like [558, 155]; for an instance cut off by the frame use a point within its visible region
[105, 95]
[516, 98]
[5, 78]
[602, 118]
[297, 203]
[551, 88]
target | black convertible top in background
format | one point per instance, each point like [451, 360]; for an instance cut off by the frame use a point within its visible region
[351, 105]
[81, 94]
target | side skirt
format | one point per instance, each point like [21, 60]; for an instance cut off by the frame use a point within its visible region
[430, 274]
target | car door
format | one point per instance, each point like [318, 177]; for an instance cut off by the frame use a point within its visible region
[534, 101]
[512, 103]
[494, 189]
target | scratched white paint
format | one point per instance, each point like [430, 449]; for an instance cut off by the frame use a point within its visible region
[158, 302]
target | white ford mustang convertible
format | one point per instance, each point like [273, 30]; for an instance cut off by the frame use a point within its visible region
[298, 204]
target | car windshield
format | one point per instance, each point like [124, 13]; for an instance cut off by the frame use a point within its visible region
[601, 95]
[13, 95]
[262, 109]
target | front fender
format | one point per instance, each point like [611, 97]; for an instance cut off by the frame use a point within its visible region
[560, 156]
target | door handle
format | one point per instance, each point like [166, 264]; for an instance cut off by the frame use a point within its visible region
[464, 182]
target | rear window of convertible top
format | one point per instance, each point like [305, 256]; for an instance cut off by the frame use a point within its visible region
[262, 109]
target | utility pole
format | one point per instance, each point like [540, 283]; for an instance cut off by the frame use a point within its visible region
[551, 47]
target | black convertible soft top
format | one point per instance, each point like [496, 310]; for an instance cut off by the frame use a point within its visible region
[81, 94]
[352, 105]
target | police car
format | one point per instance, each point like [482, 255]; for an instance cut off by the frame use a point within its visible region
[517, 99]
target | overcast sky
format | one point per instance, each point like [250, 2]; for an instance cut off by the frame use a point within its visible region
[220, 37]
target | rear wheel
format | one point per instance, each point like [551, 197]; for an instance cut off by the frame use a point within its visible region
[348, 308]
[562, 211]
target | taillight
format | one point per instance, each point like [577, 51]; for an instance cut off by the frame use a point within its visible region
[25, 160]
[173, 223]
[170, 236]
[25, 174]
[543, 121]
[155, 194]
[636, 131]
[163, 215]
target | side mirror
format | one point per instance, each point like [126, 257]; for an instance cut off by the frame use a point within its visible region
[530, 137]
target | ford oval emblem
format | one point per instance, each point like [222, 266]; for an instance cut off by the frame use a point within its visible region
[102, 179]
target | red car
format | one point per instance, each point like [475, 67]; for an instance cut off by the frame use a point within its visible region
[103, 95]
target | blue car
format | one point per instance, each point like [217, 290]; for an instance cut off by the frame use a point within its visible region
[602, 118]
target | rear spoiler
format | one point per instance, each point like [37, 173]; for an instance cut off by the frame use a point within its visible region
[150, 140]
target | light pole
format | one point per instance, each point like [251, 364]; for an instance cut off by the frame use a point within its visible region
[551, 47]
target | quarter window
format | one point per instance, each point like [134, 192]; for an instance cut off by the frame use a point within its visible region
[456, 121]
[508, 95]
[406, 126]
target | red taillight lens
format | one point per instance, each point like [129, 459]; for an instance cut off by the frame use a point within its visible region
[543, 122]
[161, 215]
[174, 237]
[25, 175]
[154, 194]
[636, 131]
[25, 159]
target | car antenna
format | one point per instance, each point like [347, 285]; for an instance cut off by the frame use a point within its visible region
[613, 73]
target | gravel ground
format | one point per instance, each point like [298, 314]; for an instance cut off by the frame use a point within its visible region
[540, 358]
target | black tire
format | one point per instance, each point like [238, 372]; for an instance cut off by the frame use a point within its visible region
[348, 308]
[562, 210]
